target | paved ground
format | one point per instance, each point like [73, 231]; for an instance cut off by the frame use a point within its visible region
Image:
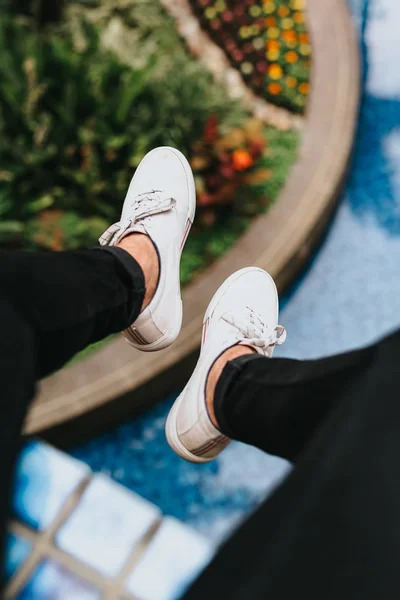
[349, 297]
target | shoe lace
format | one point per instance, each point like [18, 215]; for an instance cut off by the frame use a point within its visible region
[145, 205]
[252, 330]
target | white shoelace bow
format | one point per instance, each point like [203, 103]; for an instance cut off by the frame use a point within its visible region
[145, 205]
[253, 331]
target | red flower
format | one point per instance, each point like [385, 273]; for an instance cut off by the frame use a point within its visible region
[256, 148]
[211, 129]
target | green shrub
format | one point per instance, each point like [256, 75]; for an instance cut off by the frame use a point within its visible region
[75, 122]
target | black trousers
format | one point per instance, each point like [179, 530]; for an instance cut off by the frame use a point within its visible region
[332, 530]
[51, 306]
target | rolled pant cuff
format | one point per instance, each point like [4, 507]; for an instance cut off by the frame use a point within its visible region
[229, 376]
[131, 269]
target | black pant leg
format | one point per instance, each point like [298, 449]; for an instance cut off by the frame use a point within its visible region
[17, 377]
[72, 299]
[277, 404]
[332, 529]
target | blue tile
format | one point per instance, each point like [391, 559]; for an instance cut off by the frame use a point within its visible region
[17, 551]
[176, 555]
[45, 479]
[51, 581]
[106, 526]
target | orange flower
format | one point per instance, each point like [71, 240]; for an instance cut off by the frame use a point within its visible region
[291, 82]
[275, 71]
[273, 45]
[304, 38]
[289, 36]
[241, 160]
[283, 11]
[274, 88]
[298, 17]
[270, 21]
[291, 57]
[304, 88]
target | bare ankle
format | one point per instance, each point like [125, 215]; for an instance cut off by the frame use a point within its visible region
[216, 372]
[141, 247]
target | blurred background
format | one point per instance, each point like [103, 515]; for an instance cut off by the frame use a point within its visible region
[86, 89]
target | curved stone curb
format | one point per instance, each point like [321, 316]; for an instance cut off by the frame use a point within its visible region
[117, 382]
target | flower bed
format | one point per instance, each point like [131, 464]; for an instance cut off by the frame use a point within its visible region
[267, 41]
[69, 146]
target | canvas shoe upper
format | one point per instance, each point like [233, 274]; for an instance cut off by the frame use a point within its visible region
[243, 311]
[161, 202]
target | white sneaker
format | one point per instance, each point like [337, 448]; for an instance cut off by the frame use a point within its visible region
[243, 311]
[161, 201]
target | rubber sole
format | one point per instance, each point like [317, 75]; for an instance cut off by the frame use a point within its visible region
[171, 432]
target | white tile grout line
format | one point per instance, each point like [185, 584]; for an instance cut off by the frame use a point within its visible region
[78, 568]
[43, 541]
[43, 547]
[116, 588]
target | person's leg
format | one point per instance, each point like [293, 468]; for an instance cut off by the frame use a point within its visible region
[278, 404]
[332, 529]
[72, 299]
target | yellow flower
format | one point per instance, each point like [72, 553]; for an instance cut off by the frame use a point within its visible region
[305, 49]
[274, 88]
[291, 82]
[298, 4]
[287, 23]
[304, 88]
[273, 55]
[269, 7]
[244, 32]
[300, 100]
[210, 13]
[291, 57]
[273, 32]
[255, 11]
[275, 71]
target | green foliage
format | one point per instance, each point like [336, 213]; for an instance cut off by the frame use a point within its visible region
[75, 121]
